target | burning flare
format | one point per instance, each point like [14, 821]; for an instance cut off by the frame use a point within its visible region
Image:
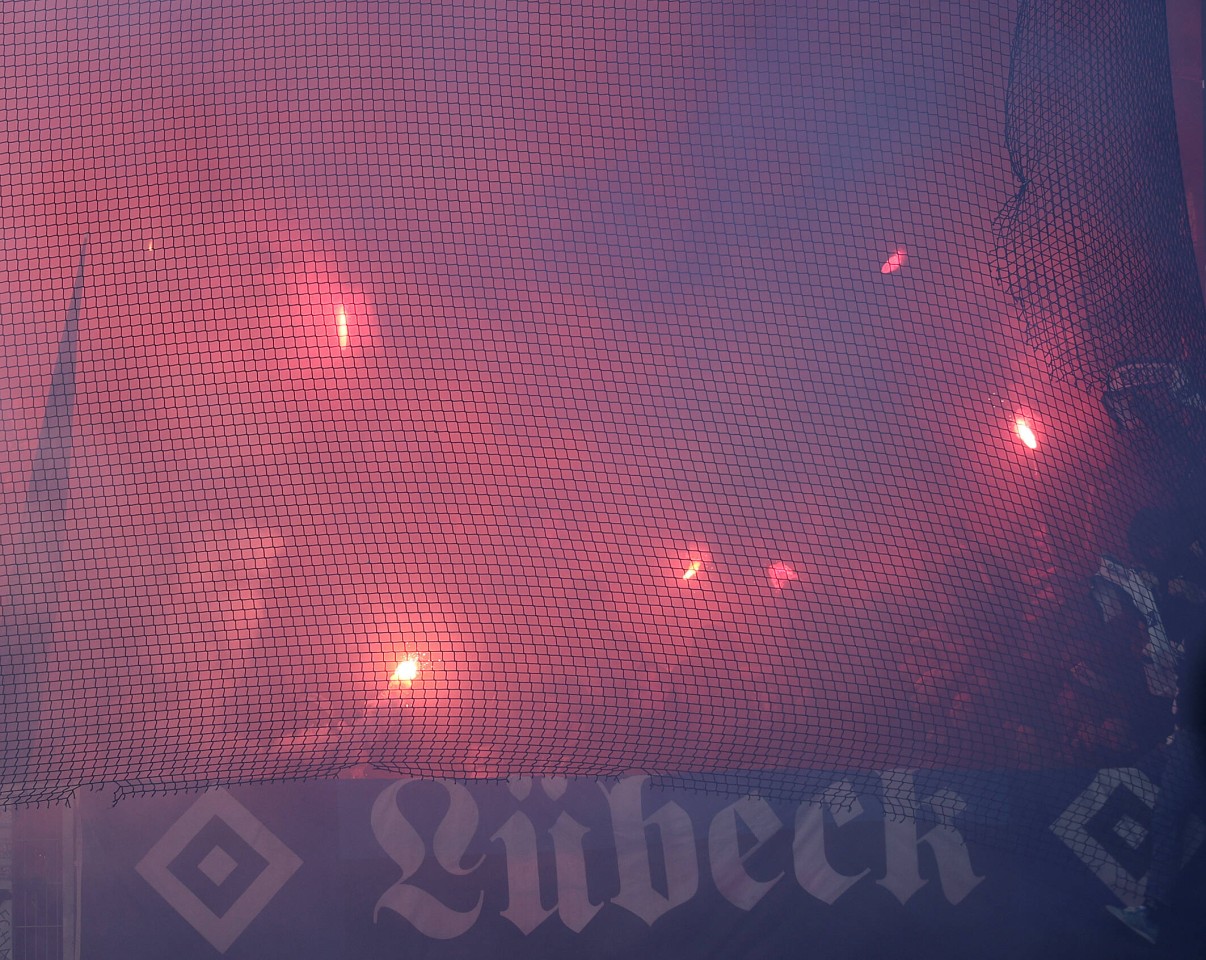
[894, 262]
[1025, 434]
[342, 325]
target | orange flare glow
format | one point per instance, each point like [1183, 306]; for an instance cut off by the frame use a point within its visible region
[781, 574]
[894, 262]
[1025, 434]
[343, 329]
[694, 568]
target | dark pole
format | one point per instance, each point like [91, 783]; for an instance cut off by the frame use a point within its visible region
[35, 577]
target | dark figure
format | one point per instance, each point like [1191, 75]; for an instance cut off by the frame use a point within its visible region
[1182, 790]
[1177, 559]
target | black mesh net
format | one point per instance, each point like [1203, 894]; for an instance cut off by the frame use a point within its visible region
[1095, 246]
[488, 389]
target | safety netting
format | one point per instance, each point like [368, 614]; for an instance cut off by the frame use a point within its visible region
[724, 391]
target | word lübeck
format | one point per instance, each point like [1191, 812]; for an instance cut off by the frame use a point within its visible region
[652, 881]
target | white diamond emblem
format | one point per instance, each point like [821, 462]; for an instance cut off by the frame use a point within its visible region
[218, 890]
[1071, 827]
[218, 865]
[1131, 831]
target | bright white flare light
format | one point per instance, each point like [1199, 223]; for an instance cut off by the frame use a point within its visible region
[694, 568]
[342, 324]
[1025, 434]
[406, 671]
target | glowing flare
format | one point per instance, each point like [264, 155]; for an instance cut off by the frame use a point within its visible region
[406, 671]
[1025, 434]
[343, 329]
[694, 568]
[150, 246]
[894, 262]
[781, 574]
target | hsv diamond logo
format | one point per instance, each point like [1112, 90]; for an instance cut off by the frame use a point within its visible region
[1106, 826]
[218, 867]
